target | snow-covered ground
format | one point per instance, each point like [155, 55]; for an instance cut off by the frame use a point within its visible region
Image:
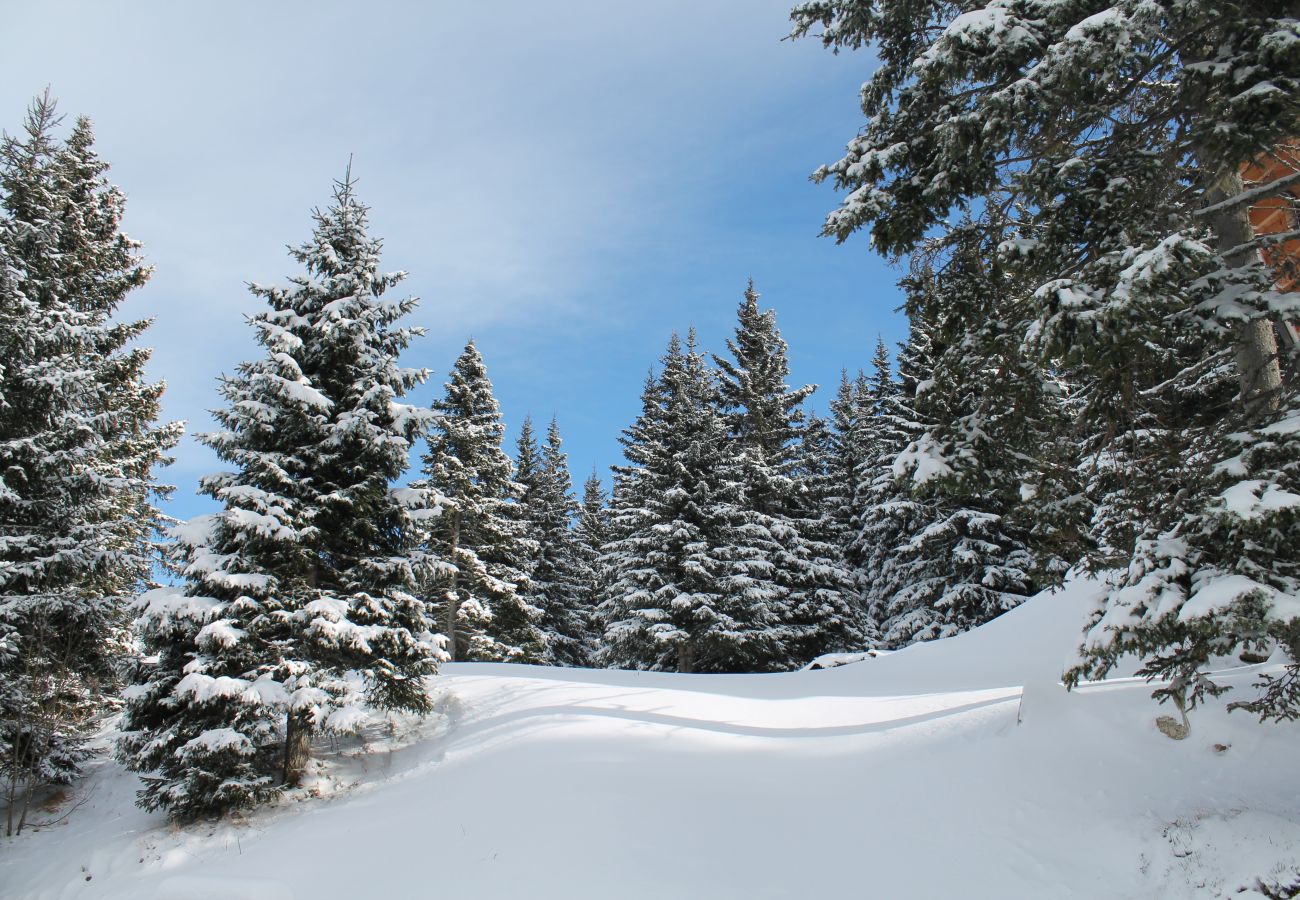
[954, 769]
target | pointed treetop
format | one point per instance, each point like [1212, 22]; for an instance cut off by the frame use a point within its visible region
[527, 465]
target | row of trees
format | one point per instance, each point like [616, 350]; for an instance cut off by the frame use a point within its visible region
[324, 588]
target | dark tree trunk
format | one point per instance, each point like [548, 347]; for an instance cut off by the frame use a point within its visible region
[685, 657]
[297, 748]
[453, 595]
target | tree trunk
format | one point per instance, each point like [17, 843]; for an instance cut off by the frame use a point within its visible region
[453, 595]
[297, 748]
[1259, 370]
[685, 657]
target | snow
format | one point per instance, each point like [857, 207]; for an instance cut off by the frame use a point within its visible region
[219, 739]
[203, 688]
[958, 767]
[923, 459]
[222, 632]
[1251, 499]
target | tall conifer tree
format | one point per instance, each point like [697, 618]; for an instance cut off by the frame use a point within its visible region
[805, 583]
[682, 575]
[299, 607]
[591, 532]
[482, 602]
[559, 573]
[78, 445]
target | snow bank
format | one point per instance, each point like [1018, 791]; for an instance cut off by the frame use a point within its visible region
[958, 768]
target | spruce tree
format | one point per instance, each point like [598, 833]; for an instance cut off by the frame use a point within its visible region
[975, 470]
[527, 461]
[558, 573]
[847, 452]
[1111, 136]
[683, 576]
[891, 513]
[298, 610]
[869, 438]
[806, 584]
[78, 445]
[482, 600]
[591, 532]
[828, 480]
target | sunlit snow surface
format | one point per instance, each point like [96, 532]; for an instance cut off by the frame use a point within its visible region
[955, 769]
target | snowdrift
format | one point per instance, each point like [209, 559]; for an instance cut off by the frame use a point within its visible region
[957, 768]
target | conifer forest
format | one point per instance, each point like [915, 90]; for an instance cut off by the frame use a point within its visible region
[1011, 610]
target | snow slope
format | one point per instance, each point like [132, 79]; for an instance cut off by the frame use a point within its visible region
[897, 777]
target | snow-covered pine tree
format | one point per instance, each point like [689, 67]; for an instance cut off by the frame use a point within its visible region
[983, 541]
[482, 602]
[805, 585]
[78, 445]
[681, 573]
[890, 512]
[556, 573]
[1115, 133]
[591, 532]
[299, 608]
[847, 456]
[527, 462]
[829, 485]
[560, 573]
[869, 437]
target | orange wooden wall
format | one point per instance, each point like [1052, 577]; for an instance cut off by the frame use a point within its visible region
[1277, 214]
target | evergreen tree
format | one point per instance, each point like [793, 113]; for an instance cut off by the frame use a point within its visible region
[848, 456]
[527, 461]
[1110, 136]
[975, 468]
[806, 584]
[682, 577]
[591, 532]
[841, 447]
[482, 602]
[558, 573]
[830, 514]
[78, 446]
[299, 607]
[891, 513]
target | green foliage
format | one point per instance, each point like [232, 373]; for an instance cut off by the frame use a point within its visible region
[1093, 150]
[299, 612]
[482, 597]
[78, 446]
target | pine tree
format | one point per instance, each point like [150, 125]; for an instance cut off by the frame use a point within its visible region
[976, 468]
[683, 577]
[482, 603]
[299, 608]
[591, 532]
[806, 586]
[1112, 137]
[828, 480]
[527, 461]
[848, 454]
[558, 573]
[78, 446]
[891, 513]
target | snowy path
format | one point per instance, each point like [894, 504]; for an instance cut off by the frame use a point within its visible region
[906, 776]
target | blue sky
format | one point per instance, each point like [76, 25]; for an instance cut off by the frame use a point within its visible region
[567, 183]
